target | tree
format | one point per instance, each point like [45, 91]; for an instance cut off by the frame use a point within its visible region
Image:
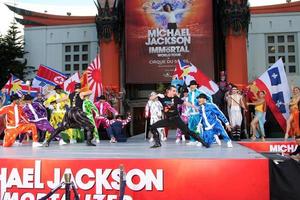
[12, 54]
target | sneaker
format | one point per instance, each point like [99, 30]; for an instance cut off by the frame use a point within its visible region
[36, 144]
[183, 138]
[112, 140]
[199, 144]
[177, 141]
[192, 143]
[156, 145]
[97, 141]
[61, 142]
[229, 144]
[73, 141]
[151, 139]
[164, 139]
[17, 143]
[218, 141]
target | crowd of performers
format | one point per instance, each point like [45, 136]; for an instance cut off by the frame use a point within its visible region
[46, 117]
[204, 118]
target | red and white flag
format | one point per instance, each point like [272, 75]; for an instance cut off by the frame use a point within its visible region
[69, 84]
[274, 82]
[94, 78]
[186, 72]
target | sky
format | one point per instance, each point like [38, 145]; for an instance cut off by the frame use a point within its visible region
[76, 7]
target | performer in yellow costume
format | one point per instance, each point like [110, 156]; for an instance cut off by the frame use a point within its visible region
[58, 109]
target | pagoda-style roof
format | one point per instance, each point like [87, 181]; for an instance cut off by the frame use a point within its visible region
[278, 8]
[31, 18]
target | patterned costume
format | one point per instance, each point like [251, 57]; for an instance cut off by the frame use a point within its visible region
[90, 109]
[16, 123]
[75, 118]
[37, 114]
[103, 108]
[184, 116]
[153, 110]
[208, 120]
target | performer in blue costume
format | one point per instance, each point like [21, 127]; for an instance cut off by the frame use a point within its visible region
[193, 113]
[209, 121]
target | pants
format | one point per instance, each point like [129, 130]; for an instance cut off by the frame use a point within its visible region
[75, 118]
[114, 129]
[208, 135]
[179, 133]
[192, 124]
[235, 116]
[154, 119]
[12, 133]
[172, 26]
[175, 122]
[95, 131]
[102, 121]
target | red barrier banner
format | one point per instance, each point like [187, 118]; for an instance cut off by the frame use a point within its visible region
[160, 32]
[271, 146]
[146, 178]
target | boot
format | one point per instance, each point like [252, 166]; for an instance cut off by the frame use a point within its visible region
[89, 139]
[156, 140]
[238, 133]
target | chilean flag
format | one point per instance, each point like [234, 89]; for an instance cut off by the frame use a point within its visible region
[48, 76]
[185, 72]
[69, 84]
[274, 82]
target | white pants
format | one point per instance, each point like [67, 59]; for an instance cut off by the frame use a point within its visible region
[235, 116]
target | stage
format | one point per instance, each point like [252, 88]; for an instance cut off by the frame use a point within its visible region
[174, 171]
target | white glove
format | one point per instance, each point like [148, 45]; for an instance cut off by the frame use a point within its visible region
[161, 95]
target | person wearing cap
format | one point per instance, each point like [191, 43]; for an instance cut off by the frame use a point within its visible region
[153, 110]
[104, 108]
[17, 123]
[194, 92]
[75, 118]
[91, 110]
[37, 114]
[209, 121]
[170, 103]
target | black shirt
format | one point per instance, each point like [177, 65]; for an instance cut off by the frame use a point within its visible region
[170, 105]
[75, 100]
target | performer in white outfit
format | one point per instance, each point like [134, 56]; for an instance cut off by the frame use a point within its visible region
[235, 104]
[153, 110]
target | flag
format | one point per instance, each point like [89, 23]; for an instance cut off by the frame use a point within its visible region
[13, 85]
[48, 76]
[94, 78]
[16, 85]
[186, 72]
[274, 82]
[69, 84]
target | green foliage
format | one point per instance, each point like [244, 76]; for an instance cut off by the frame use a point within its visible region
[11, 54]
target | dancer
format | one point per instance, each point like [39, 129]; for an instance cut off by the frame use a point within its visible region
[292, 125]
[75, 118]
[193, 112]
[235, 104]
[208, 120]
[103, 108]
[153, 110]
[16, 123]
[90, 110]
[170, 104]
[37, 115]
[116, 127]
[260, 114]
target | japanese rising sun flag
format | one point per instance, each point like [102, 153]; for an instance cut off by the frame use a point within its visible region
[94, 78]
[274, 83]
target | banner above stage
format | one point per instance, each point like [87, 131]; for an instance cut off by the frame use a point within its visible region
[158, 33]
